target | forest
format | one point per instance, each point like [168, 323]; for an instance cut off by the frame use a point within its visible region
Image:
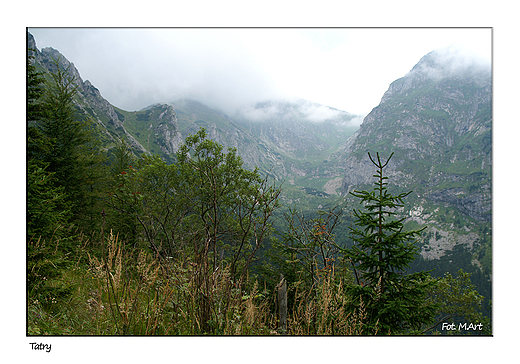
[126, 245]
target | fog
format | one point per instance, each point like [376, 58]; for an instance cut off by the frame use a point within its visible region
[294, 108]
[232, 69]
[453, 60]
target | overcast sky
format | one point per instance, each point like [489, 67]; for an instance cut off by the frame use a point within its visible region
[348, 69]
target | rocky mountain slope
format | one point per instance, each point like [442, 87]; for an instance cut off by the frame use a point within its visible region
[89, 101]
[437, 121]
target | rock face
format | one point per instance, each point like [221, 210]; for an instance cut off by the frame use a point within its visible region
[299, 129]
[437, 121]
[277, 137]
[304, 139]
[94, 99]
[170, 137]
[440, 241]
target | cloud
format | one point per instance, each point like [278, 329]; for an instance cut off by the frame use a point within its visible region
[134, 68]
[347, 69]
[453, 60]
[296, 109]
[357, 120]
[318, 113]
[255, 113]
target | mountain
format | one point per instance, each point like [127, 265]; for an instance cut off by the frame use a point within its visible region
[437, 122]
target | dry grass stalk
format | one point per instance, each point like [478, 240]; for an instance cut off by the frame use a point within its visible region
[139, 298]
[134, 300]
[325, 312]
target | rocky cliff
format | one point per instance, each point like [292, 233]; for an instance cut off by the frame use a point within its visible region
[284, 139]
[437, 122]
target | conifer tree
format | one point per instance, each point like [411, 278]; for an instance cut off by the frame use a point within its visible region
[74, 153]
[122, 215]
[395, 302]
[61, 125]
[94, 175]
[37, 144]
[48, 212]
[34, 90]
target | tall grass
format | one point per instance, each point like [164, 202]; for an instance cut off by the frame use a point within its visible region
[128, 292]
[323, 310]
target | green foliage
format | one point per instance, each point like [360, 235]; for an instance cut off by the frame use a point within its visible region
[48, 214]
[61, 126]
[206, 208]
[65, 144]
[123, 157]
[70, 152]
[231, 206]
[305, 253]
[47, 209]
[46, 263]
[459, 302]
[122, 214]
[207, 204]
[395, 302]
[309, 243]
[64, 170]
[129, 292]
[34, 90]
[93, 176]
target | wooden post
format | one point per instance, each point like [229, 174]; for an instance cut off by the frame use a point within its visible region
[282, 304]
